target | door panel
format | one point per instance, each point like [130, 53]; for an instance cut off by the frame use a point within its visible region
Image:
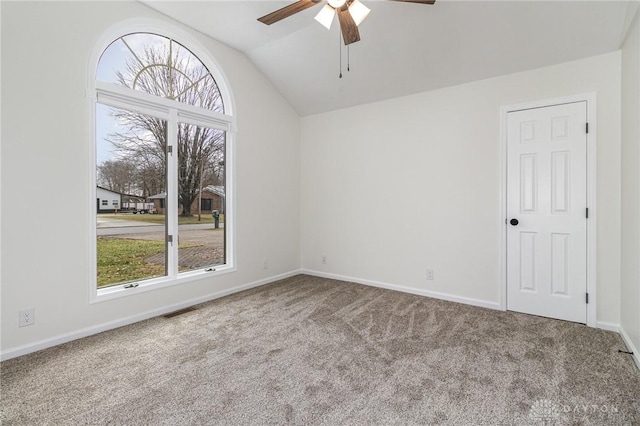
[546, 193]
[528, 261]
[560, 182]
[560, 264]
[528, 183]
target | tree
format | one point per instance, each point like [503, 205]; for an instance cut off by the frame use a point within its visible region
[117, 175]
[170, 71]
[150, 178]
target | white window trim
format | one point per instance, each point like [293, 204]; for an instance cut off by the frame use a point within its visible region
[122, 97]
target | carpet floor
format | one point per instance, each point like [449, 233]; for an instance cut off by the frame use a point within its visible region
[309, 350]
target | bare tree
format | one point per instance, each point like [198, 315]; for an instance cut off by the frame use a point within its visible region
[170, 72]
[117, 175]
[150, 178]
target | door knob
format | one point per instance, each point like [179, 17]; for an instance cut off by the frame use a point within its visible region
[514, 222]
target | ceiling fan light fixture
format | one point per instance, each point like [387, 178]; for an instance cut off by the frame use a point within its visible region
[336, 4]
[358, 11]
[325, 16]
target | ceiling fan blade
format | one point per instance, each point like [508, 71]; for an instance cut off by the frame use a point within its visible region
[287, 11]
[417, 1]
[350, 33]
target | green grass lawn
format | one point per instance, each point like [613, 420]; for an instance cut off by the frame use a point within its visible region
[121, 260]
[160, 218]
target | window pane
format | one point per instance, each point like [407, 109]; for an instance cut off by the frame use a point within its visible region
[162, 67]
[201, 197]
[131, 183]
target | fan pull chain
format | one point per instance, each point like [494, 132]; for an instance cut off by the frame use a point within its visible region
[348, 58]
[340, 52]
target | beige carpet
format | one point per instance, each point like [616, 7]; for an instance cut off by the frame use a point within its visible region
[308, 350]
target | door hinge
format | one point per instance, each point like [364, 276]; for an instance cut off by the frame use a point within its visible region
[587, 127]
[587, 297]
[170, 238]
[586, 212]
[169, 149]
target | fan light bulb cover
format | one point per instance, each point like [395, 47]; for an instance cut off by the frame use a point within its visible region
[325, 16]
[337, 3]
[358, 11]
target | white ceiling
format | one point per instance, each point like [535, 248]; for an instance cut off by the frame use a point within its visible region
[405, 48]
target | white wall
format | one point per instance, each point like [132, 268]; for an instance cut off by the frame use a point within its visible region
[392, 188]
[46, 135]
[630, 260]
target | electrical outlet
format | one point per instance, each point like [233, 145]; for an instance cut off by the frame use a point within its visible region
[265, 264]
[429, 274]
[26, 317]
[323, 259]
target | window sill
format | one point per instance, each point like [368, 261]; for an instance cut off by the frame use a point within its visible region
[118, 291]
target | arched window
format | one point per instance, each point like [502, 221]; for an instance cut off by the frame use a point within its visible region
[162, 136]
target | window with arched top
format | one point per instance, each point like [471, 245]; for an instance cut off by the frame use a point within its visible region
[162, 136]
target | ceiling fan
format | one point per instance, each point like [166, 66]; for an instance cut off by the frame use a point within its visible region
[350, 14]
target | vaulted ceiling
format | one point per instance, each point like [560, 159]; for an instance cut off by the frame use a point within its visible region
[405, 48]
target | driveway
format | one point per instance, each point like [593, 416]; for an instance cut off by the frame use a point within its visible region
[205, 245]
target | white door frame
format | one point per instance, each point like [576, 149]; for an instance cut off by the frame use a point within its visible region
[590, 99]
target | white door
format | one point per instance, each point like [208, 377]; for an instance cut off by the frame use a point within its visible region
[546, 211]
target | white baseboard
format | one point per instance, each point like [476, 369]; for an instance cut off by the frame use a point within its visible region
[630, 347]
[609, 326]
[405, 289]
[74, 335]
